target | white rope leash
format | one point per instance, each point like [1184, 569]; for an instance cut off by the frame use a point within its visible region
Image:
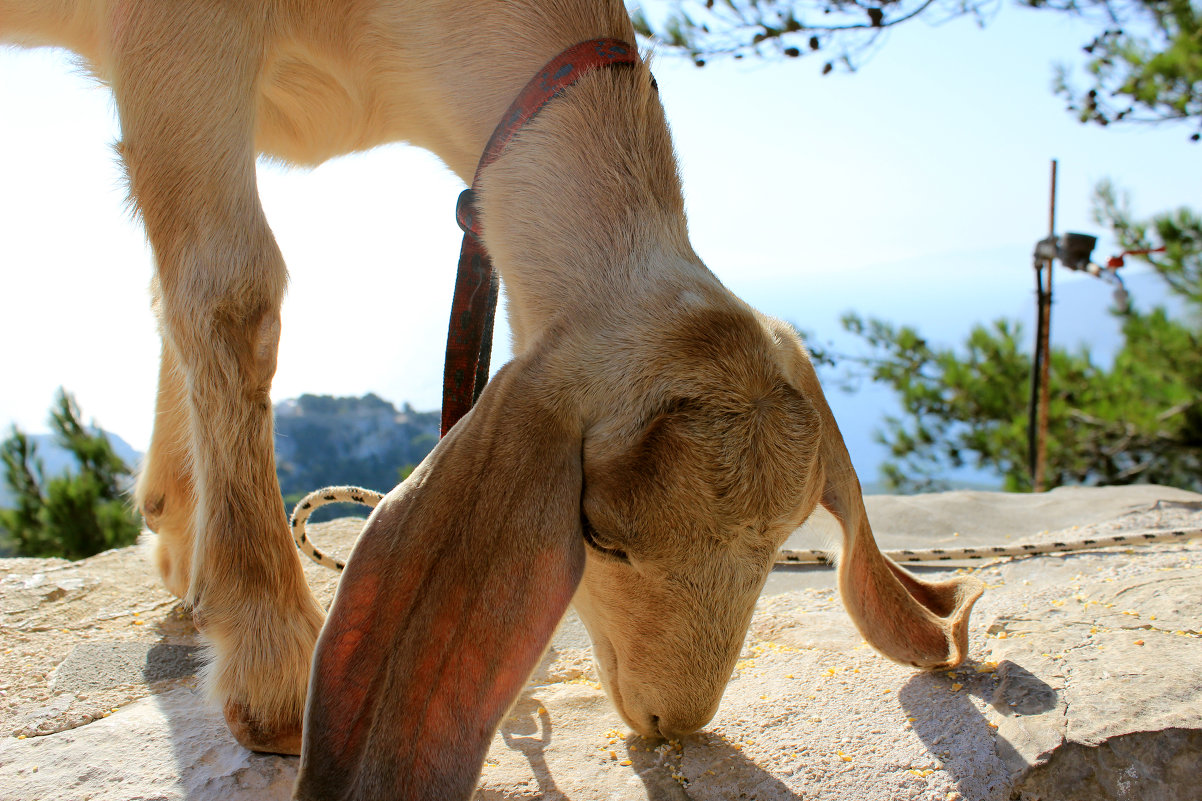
[367, 497]
[316, 500]
[790, 557]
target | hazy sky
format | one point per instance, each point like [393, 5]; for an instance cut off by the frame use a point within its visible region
[914, 189]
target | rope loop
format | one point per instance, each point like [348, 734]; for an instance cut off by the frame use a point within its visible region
[317, 499]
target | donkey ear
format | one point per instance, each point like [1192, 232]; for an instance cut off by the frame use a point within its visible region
[919, 623]
[446, 604]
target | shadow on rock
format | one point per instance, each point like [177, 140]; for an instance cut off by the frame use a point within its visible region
[702, 765]
[527, 730]
[165, 662]
[209, 764]
[953, 729]
[1021, 692]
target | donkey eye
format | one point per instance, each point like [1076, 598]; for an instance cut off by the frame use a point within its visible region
[591, 539]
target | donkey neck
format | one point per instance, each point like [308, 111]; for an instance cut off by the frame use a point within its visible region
[586, 202]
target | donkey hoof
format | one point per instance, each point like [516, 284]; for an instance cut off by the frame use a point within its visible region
[266, 739]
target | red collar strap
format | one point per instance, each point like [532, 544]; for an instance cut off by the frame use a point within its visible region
[473, 310]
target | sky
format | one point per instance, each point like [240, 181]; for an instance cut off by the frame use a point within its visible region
[912, 190]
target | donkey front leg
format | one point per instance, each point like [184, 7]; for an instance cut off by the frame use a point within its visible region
[166, 493]
[187, 118]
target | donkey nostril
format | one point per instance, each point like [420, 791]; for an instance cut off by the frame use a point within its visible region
[677, 729]
[666, 730]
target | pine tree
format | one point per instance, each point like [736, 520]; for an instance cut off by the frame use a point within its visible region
[1143, 65]
[72, 515]
[1137, 420]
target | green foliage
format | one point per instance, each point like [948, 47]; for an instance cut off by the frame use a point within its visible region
[1145, 65]
[959, 405]
[71, 515]
[1138, 420]
[844, 31]
[22, 473]
[1179, 232]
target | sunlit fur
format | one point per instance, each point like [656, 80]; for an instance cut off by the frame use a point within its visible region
[702, 435]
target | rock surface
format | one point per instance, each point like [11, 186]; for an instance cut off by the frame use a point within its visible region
[1084, 682]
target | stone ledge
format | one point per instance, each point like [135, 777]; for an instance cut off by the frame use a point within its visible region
[1082, 684]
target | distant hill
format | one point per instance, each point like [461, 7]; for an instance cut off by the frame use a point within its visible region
[322, 440]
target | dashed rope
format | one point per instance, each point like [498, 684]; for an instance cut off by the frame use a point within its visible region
[316, 500]
[790, 557]
[328, 495]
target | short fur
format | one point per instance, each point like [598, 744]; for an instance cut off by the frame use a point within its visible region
[647, 412]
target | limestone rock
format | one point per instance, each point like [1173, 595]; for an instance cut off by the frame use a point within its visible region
[1100, 694]
[169, 746]
[1083, 683]
[1141, 766]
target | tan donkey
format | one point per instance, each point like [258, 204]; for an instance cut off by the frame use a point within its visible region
[644, 455]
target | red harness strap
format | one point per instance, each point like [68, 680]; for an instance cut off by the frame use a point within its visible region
[469, 339]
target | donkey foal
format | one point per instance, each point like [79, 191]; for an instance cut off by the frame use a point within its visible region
[643, 456]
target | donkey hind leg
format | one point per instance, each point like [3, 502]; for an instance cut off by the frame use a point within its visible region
[165, 493]
[187, 119]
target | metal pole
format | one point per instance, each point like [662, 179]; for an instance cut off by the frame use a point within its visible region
[1036, 373]
[1043, 346]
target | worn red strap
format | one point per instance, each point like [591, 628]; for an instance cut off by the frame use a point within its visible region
[473, 311]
